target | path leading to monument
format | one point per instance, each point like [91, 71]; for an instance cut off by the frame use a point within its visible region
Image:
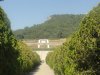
[43, 69]
[42, 54]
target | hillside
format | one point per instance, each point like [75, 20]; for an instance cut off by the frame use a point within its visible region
[57, 26]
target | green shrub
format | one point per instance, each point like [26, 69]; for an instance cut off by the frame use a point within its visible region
[81, 56]
[8, 47]
[15, 57]
[27, 58]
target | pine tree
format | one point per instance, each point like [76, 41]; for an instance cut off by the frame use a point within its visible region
[85, 44]
[8, 47]
[81, 56]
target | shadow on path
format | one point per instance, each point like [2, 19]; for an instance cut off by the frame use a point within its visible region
[42, 69]
[34, 70]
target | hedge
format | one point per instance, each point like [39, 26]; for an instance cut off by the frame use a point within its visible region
[15, 57]
[81, 55]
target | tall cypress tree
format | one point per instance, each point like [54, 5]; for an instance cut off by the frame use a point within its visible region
[81, 56]
[8, 47]
[85, 44]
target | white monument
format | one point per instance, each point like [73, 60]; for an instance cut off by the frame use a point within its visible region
[43, 41]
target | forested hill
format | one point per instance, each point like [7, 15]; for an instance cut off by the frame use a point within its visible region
[57, 26]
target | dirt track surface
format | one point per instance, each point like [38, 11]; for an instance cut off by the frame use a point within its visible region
[42, 54]
[43, 69]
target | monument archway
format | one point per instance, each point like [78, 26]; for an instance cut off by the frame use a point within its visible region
[42, 42]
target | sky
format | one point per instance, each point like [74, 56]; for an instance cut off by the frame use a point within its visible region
[24, 13]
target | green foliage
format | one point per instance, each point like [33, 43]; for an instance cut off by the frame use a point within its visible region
[15, 57]
[81, 56]
[27, 58]
[58, 26]
[8, 47]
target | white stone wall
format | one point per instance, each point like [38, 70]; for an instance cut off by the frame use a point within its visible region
[43, 41]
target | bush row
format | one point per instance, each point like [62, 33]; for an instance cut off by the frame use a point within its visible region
[27, 58]
[81, 56]
[15, 57]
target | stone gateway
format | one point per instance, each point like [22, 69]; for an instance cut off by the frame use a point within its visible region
[42, 42]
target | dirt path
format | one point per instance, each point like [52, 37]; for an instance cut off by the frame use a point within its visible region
[43, 69]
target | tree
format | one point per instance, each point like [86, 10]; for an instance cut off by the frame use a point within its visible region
[60, 34]
[8, 47]
[81, 56]
[84, 46]
[15, 56]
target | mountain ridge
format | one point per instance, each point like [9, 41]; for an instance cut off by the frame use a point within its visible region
[57, 26]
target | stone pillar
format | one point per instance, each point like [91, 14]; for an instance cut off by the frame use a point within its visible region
[38, 46]
[39, 41]
[48, 46]
[47, 41]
